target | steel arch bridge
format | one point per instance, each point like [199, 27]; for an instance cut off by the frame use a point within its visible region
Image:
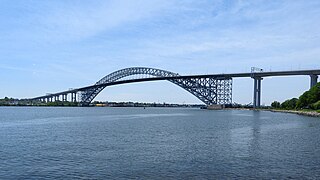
[209, 90]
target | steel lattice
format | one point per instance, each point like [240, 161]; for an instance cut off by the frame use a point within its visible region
[208, 90]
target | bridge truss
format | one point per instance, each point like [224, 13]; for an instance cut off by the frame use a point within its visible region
[210, 90]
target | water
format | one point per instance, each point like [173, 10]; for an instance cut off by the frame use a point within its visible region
[156, 143]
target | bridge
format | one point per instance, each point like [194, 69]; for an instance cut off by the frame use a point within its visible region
[211, 89]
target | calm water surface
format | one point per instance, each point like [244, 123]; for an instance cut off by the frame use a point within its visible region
[156, 143]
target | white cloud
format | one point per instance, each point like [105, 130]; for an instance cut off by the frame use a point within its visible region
[66, 38]
[75, 21]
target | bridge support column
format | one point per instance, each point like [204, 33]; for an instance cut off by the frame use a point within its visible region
[257, 92]
[73, 97]
[64, 97]
[313, 80]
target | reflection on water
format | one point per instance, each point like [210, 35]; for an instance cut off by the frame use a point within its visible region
[156, 143]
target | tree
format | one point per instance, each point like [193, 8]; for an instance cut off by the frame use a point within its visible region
[316, 105]
[275, 104]
[289, 104]
[309, 97]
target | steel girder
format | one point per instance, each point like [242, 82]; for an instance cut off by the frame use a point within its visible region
[208, 90]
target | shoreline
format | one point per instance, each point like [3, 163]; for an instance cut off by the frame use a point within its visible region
[303, 113]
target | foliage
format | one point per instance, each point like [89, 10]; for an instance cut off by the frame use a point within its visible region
[309, 97]
[275, 104]
[7, 101]
[24, 102]
[289, 104]
[308, 100]
[61, 103]
[316, 105]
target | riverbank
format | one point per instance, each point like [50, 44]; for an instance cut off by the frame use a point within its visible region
[304, 113]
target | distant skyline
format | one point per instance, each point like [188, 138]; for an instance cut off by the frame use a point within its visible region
[51, 46]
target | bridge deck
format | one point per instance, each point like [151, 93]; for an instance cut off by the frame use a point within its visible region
[222, 76]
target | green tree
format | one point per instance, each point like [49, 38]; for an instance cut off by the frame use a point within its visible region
[309, 97]
[316, 105]
[289, 104]
[275, 104]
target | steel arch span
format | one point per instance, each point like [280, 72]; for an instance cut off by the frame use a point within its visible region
[210, 90]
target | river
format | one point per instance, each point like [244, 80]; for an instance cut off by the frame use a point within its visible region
[156, 143]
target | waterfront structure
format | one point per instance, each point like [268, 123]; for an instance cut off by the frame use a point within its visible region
[211, 89]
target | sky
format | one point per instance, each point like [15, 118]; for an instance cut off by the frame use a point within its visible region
[49, 46]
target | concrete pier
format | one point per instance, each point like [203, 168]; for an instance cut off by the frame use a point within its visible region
[257, 92]
[73, 97]
[313, 80]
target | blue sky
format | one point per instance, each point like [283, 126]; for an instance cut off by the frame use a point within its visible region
[50, 46]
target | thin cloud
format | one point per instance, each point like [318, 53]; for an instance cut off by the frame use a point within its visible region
[67, 38]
